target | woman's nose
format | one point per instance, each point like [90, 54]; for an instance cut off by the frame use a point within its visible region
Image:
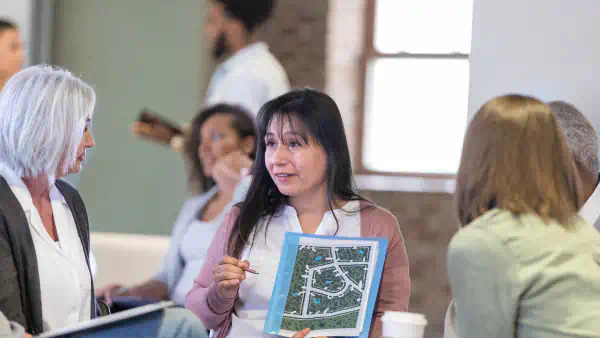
[280, 157]
[204, 147]
[89, 140]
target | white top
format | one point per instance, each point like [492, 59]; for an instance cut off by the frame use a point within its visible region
[590, 211]
[250, 309]
[188, 246]
[65, 280]
[249, 78]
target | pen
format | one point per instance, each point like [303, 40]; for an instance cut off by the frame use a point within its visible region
[251, 271]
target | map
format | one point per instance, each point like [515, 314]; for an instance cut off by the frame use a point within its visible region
[328, 287]
[326, 283]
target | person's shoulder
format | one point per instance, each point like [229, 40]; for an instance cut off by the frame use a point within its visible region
[373, 213]
[501, 223]
[231, 217]
[376, 221]
[196, 202]
[265, 69]
[478, 240]
[235, 211]
[68, 190]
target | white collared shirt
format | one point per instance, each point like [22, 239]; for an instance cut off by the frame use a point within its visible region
[590, 211]
[250, 309]
[249, 78]
[65, 280]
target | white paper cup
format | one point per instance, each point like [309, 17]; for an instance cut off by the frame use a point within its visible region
[403, 325]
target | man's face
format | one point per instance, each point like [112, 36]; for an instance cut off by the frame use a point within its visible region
[214, 29]
[12, 55]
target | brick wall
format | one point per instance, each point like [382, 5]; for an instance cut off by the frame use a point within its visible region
[297, 36]
[428, 221]
[319, 43]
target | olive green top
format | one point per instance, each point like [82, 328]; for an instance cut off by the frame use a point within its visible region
[516, 276]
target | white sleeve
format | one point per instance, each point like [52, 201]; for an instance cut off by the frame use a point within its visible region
[239, 194]
[93, 265]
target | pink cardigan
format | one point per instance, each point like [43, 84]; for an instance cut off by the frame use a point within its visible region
[215, 311]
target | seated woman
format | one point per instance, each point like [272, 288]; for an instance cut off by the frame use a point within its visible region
[223, 137]
[302, 182]
[45, 115]
[523, 264]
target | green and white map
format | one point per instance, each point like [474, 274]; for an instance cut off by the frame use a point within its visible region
[330, 286]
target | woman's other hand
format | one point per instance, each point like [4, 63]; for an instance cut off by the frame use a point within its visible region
[227, 172]
[108, 292]
[154, 132]
[229, 274]
[304, 333]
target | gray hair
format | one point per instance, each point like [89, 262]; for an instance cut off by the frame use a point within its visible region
[581, 134]
[43, 113]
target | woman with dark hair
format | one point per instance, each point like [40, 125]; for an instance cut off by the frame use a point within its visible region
[220, 135]
[524, 263]
[302, 182]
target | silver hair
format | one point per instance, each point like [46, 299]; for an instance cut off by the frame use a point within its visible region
[581, 134]
[43, 114]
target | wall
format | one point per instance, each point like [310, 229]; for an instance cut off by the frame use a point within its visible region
[297, 36]
[135, 53]
[346, 25]
[427, 221]
[544, 48]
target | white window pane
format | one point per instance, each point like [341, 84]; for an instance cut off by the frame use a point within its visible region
[423, 26]
[415, 115]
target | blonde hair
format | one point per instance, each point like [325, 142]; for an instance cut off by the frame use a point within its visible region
[43, 113]
[515, 157]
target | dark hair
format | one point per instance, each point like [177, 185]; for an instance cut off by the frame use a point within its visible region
[251, 13]
[321, 119]
[241, 122]
[6, 24]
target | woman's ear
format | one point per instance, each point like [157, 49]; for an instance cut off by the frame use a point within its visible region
[248, 145]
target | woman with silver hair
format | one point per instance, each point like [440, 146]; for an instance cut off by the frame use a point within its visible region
[45, 115]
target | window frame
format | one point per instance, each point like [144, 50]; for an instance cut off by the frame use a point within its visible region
[370, 53]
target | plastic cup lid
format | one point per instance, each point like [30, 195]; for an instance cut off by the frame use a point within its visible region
[404, 317]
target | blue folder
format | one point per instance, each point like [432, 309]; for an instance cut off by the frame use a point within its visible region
[286, 269]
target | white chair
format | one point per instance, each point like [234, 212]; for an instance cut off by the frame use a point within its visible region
[127, 259]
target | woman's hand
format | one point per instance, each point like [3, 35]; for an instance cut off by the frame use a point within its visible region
[27, 335]
[227, 171]
[304, 333]
[229, 274]
[108, 292]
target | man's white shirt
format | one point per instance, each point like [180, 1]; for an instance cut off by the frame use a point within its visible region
[249, 78]
[590, 211]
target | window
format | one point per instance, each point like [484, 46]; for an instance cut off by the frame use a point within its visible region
[416, 86]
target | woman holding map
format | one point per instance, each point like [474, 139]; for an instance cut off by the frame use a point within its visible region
[302, 183]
